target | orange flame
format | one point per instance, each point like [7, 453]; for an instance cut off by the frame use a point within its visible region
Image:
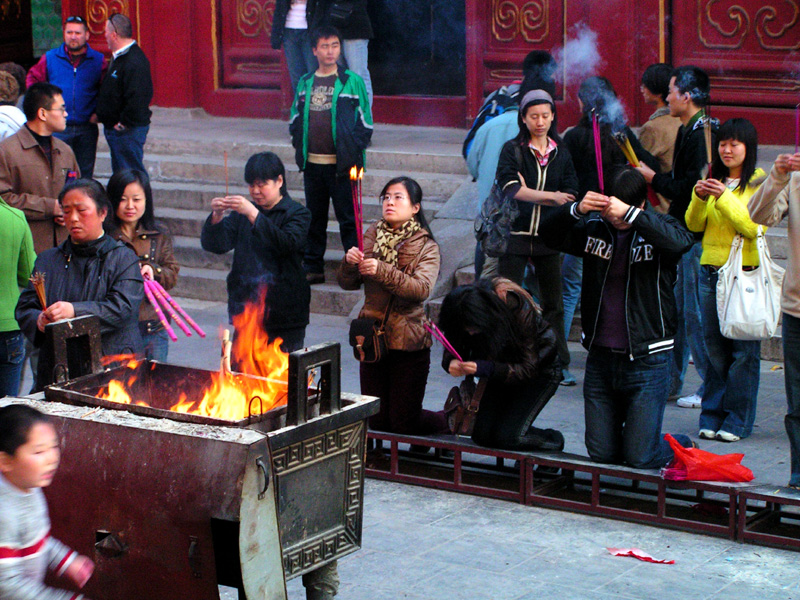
[229, 395]
[353, 173]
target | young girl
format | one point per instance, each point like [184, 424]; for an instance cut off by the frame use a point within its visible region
[133, 223]
[500, 332]
[536, 169]
[399, 264]
[719, 210]
[29, 457]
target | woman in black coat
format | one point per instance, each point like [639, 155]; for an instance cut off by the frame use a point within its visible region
[90, 273]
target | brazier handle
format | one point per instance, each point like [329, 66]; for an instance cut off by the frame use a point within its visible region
[260, 464]
[327, 358]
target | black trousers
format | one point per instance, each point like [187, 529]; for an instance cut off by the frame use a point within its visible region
[399, 380]
[321, 185]
[548, 275]
[507, 411]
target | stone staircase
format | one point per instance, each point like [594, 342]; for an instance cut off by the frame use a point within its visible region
[187, 174]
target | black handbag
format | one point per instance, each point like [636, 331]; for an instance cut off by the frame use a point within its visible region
[368, 339]
[340, 13]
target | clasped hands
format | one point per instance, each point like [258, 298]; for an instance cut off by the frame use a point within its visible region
[366, 266]
[611, 208]
[238, 204]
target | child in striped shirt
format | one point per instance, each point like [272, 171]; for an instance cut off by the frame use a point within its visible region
[29, 457]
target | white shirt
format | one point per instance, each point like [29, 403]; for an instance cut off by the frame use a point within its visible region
[123, 50]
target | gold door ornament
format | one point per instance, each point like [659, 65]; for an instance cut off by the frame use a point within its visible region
[254, 17]
[98, 11]
[772, 21]
[531, 20]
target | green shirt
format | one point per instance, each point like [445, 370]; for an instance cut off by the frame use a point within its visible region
[16, 262]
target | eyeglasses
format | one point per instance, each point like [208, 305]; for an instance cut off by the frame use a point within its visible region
[76, 19]
[63, 109]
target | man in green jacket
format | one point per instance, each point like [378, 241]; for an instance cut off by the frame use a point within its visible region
[16, 263]
[331, 127]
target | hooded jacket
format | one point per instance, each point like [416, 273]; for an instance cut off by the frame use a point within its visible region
[657, 245]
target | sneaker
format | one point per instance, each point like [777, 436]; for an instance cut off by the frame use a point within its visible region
[725, 436]
[314, 278]
[568, 378]
[693, 401]
[707, 434]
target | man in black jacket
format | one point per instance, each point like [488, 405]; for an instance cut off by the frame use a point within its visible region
[688, 96]
[123, 104]
[630, 256]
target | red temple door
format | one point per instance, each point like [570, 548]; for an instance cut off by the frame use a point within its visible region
[16, 42]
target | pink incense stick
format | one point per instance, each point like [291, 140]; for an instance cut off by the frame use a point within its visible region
[177, 307]
[796, 128]
[159, 312]
[167, 307]
[437, 333]
[598, 153]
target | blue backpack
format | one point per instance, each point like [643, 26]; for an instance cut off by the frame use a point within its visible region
[496, 103]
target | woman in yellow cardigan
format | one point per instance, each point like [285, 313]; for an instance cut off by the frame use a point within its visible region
[719, 210]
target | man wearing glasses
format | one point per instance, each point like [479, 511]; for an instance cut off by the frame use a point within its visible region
[77, 69]
[123, 106]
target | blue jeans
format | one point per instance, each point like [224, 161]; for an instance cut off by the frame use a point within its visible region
[791, 364]
[355, 55]
[731, 387]
[300, 58]
[156, 344]
[12, 356]
[689, 335]
[624, 407]
[127, 147]
[82, 138]
[571, 279]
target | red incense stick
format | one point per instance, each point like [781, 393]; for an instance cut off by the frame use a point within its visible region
[598, 152]
[154, 303]
[167, 307]
[177, 307]
[437, 333]
[225, 154]
[796, 128]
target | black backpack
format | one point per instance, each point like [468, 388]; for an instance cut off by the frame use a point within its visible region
[496, 103]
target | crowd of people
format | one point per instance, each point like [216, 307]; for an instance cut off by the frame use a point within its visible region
[637, 246]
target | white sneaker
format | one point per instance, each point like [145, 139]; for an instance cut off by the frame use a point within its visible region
[693, 401]
[707, 434]
[726, 436]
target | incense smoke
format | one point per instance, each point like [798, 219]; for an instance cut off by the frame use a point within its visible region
[580, 56]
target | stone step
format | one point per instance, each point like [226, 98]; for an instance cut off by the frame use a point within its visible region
[209, 284]
[195, 168]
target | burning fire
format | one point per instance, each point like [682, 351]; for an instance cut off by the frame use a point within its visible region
[229, 394]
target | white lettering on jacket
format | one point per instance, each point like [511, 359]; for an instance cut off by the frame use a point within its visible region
[598, 247]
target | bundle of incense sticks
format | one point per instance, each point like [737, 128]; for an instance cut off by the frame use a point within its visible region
[148, 290]
[37, 279]
[437, 333]
[356, 177]
[709, 149]
[598, 152]
[157, 294]
[167, 307]
[625, 145]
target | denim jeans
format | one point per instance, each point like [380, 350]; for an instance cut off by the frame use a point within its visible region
[12, 356]
[731, 387]
[82, 138]
[791, 364]
[300, 58]
[127, 147]
[624, 407]
[571, 280]
[355, 55]
[689, 336]
[322, 185]
[156, 344]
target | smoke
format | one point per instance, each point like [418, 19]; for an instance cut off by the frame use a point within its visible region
[596, 93]
[580, 56]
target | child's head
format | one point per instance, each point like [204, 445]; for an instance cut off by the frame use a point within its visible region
[630, 186]
[29, 447]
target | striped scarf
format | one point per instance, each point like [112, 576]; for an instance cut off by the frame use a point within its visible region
[387, 239]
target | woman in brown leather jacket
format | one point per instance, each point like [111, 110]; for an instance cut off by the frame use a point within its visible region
[501, 334]
[132, 221]
[399, 264]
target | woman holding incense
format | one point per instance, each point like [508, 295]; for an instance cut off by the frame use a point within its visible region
[501, 335]
[132, 222]
[719, 210]
[90, 273]
[398, 269]
[536, 169]
[267, 234]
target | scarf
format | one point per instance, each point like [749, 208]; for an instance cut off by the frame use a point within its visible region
[387, 239]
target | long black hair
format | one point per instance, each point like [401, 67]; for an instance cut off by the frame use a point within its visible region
[743, 131]
[116, 188]
[474, 317]
[414, 194]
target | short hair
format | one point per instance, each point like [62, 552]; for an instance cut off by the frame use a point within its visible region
[265, 166]
[323, 32]
[9, 88]
[93, 189]
[39, 95]
[116, 188]
[656, 79]
[18, 71]
[76, 19]
[122, 25]
[693, 81]
[630, 186]
[16, 422]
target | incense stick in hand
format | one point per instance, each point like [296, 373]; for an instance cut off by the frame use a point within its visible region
[37, 279]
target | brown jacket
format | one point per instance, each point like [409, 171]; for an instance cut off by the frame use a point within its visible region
[29, 183]
[153, 248]
[404, 325]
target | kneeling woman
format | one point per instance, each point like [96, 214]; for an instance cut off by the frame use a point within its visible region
[88, 274]
[398, 267]
[499, 330]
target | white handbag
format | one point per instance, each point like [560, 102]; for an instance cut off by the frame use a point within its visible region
[749, 302]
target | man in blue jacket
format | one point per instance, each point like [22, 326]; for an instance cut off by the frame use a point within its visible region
[77, 69]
